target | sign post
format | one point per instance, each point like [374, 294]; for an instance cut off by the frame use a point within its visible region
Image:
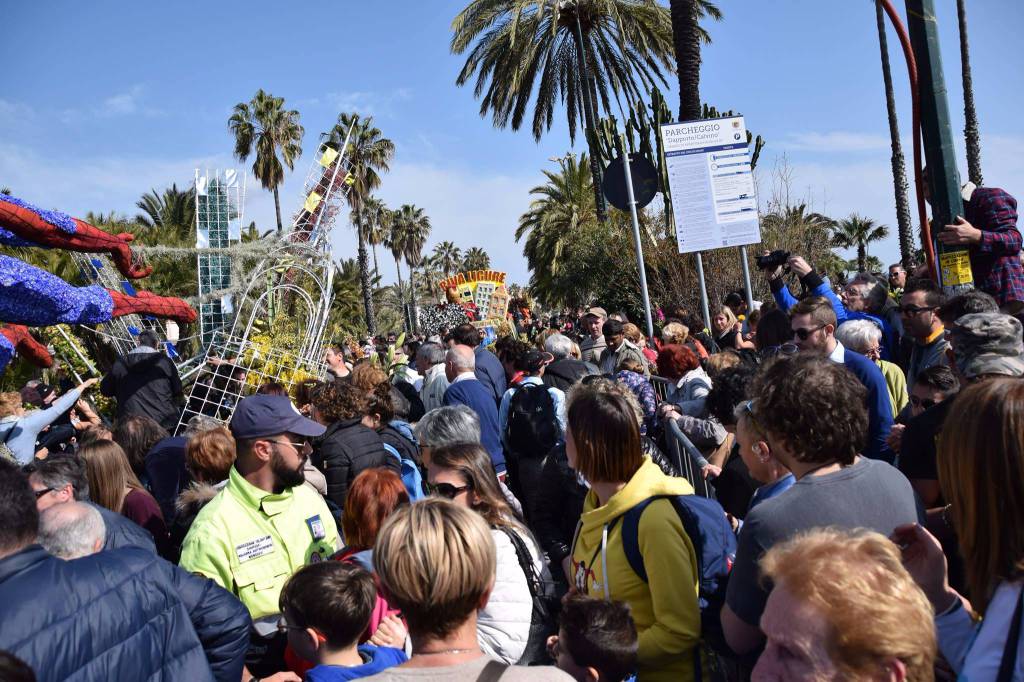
[636, 235]
[714, 201]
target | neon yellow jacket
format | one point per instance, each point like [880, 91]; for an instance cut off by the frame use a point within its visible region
[665, 608]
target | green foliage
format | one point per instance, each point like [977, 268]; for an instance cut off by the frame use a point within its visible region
[857, 232]
[476, 259]
[172, 209]
[448, 256]
[264, 125]
[523, 50]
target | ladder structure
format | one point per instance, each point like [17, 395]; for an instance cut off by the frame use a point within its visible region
[219, 201]
[297, 279]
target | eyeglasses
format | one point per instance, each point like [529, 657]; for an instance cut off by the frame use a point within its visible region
[804, 334]
[748, 408]
[283, 627]
[925, 403]
[875, 352]
[299, 446]
[447, 490]
[40, 493]
[911, 310]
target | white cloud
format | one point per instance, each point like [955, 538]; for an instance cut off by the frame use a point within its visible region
[368, 103]
[469, 208]
[834, 141]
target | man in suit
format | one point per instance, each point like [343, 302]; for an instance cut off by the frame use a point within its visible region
[466, 389]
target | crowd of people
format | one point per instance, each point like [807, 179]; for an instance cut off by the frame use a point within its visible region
[826, 486]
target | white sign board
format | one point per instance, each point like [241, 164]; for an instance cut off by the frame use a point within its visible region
[713, 195]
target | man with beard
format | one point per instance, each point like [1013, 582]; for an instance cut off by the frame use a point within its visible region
[264, 525]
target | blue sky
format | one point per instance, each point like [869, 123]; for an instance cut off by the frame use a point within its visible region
[103, 101]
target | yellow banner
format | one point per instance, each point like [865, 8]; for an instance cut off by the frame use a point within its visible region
[328, 158]
[312, 201]
[956, 268]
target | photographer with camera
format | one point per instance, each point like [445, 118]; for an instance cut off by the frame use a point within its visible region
[777, 263]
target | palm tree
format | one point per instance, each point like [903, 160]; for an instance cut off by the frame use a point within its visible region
[375, 218]
[369, 153]
[905, 224]
[265, 125]
[173, 208]
[431, 273]
[563, 209]
[857, 232]
[415, 230]
[687, 35]
[971, 135]
[448, 257]
[523, 50]
[476, 259]
[394, 240]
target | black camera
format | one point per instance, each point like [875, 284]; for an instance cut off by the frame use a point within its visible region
[773, 260]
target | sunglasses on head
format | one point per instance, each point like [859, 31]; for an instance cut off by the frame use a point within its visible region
[804, 334]
[925, 403]
[447, 490]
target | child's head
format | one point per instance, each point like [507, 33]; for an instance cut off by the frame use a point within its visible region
[327, 604]
[597, 640]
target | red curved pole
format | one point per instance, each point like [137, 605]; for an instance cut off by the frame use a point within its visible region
[915, 97]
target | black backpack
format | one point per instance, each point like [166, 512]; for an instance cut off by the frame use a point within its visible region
[546, 605]
[532, 428]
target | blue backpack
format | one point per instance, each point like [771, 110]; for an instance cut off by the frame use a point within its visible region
[411, 476]
[715, 546]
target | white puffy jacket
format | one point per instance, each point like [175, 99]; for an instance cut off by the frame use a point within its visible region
[503, 626]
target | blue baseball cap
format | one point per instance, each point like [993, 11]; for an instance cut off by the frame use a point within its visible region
[268, 415]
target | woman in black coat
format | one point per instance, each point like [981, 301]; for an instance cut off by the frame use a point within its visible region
[348, 447]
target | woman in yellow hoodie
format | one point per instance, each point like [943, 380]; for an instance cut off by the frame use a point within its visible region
[603, 446]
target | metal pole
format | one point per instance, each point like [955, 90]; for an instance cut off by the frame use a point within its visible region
[589, 115]
[746, 279]
[636, 235]
[954, 267]
[703, 291]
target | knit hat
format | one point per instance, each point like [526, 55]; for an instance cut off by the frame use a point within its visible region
[988, 343]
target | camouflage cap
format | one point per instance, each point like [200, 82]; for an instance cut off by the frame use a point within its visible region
[988, 343]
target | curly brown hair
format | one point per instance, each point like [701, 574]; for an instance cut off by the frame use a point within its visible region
[813, 405]
[340, 401]
[367, 376]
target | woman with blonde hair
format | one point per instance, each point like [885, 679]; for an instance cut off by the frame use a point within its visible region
[464, 474]
[113, 485]
[981, 473]
[725, 328]
[20, 428]
[436, 562]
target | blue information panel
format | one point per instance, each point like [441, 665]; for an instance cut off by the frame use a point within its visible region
[714, 199]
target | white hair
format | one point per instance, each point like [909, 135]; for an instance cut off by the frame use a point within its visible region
[859, 335]
[559, 346]
[448, 426]
[462, 358]
[432, 353]
[71, 530]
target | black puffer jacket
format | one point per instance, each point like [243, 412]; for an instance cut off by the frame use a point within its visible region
[123, 614]
[558, 504]
[406, 448]
[565, 373]
[346, 449]
[145, 383]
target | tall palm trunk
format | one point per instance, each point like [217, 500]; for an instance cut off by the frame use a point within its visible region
[588, 100]
[904, 220]
[971, 134]
[364, 279]
[401, 289]
[686, 37]
[862, 257]
[277, 209]
[376, 268]
[413, 321]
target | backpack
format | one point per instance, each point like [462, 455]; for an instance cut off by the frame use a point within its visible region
[546, 605]
[715, 546]
[532, 428]
[411, 475]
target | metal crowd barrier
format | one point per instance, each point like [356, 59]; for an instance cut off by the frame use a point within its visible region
[687, 458]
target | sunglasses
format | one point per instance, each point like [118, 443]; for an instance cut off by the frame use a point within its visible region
[40, 493]
[918, 402]
[804, 334]
[447, 490]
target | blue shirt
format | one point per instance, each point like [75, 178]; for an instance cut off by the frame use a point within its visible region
[474, 395]
[770, 490]
[376, 659]
[557, 397]
[878, 403]
[490, 372]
